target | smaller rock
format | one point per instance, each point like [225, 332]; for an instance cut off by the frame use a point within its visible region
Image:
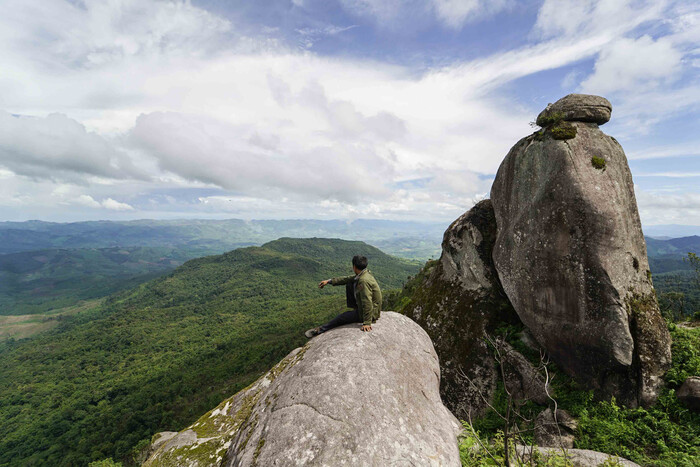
[576, 457]
[689, 393]
[523, 381]
[576, 108]
[559, 433]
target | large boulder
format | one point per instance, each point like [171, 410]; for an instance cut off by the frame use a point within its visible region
[346, 398]
[457, 300]
[571, 257]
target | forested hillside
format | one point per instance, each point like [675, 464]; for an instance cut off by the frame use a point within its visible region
[156, 357]
[39, 281]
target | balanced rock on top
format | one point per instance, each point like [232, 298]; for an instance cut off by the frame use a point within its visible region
[577, 108]
[571, 255]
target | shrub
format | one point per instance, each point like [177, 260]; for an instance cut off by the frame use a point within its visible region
[598, 162]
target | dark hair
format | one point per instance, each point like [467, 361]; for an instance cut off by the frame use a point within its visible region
[360, 262]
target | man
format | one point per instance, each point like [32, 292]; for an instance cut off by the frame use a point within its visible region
[367, 298]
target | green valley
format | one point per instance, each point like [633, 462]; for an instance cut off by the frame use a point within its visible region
[157, 356]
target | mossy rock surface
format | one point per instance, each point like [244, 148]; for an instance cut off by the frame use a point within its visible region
[457, 300]
[598, 162]
[346, 398]
[563, 131]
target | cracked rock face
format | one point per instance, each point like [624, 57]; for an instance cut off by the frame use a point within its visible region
[459, 302]
[572, 258]
[346, 398]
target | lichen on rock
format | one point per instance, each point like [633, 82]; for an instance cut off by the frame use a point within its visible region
[457, 300]
[346, 398]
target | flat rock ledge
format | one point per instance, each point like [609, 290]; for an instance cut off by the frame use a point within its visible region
[346, 398]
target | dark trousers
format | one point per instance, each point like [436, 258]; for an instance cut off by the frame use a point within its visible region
[350, 316]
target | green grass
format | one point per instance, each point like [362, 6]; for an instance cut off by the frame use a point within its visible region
[665, 435]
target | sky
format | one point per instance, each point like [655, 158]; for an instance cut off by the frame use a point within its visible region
[328, 109]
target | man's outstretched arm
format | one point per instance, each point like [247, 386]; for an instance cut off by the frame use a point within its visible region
[337, 281]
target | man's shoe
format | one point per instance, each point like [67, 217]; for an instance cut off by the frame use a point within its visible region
[312, 332]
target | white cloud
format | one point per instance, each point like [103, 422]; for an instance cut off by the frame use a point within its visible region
[452, 13]
[220, 153]
[114, 205]
[58, 147]
[634, 64]
[109, 203]
[87, 200]
[668, 208]
[296, 125]
[174, 96]
[309, 36]
[579, 18]
[675, 150]
[94, 32]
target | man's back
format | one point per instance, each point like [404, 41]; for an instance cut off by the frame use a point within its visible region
[368, 290]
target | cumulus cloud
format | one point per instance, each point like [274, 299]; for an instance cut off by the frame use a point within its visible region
[274, 130]
[668, 208]
[580, 18]
[219, 153]
[109, 203]
[634, 64]
[58, 147]
[114, 205]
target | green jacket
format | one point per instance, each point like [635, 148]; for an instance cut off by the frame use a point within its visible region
[367, 294]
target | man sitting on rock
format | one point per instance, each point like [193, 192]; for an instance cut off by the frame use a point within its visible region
[363, 296]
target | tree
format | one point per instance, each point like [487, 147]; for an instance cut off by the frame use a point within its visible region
[694, 261]
[515, 421]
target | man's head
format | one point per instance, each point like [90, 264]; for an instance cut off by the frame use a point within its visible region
[359, 263]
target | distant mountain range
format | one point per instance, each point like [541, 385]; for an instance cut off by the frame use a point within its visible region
[667, 231]
[47, 266]
[671, 255]
[405, 239]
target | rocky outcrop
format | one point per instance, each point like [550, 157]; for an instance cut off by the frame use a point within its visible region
[689, 393]
[571, 256]
[523, 381]
[457, 301]
[345, 398]
[556, 432]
